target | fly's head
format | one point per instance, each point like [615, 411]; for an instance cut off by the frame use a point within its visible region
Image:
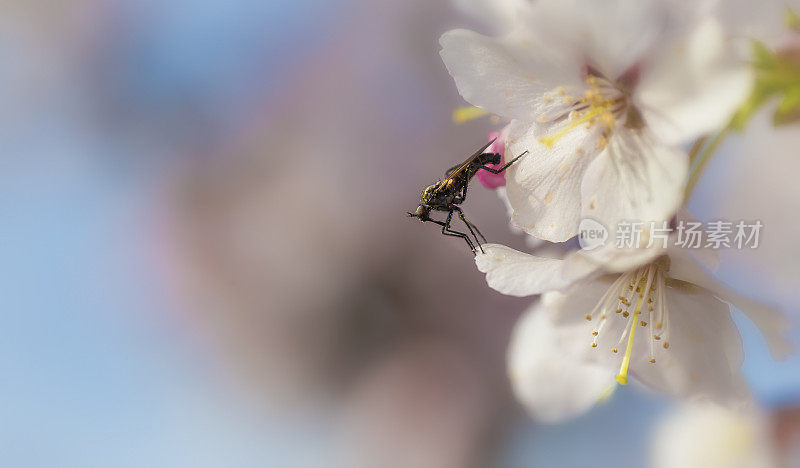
[422, 213]
[425, 202]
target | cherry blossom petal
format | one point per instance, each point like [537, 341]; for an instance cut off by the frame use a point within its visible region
[705, 351]
[499, 15]
[544, 186]
[515, 273]
[769, 319]
[633, 180]
[506, 76]
[693, 88]
[552, 381]
[611, 35]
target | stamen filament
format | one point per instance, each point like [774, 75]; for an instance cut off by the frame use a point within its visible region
[622, 377]
[550, 140]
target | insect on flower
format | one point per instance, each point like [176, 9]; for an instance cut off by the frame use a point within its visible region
[446, 194]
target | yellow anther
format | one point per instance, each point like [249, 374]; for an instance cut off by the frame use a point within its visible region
[614, 350]
[588, 317]
[666, 344]
[594, 333]
[467, 113]
[643, 323]
[625, 314]
[652, 360]
[594, 345]
[618, 310]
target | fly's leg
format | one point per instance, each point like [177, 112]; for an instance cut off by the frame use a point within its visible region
[476, 229]
[469, 226]
[505, 166]
[453, 233]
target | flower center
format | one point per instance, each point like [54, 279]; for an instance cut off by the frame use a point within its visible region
[639, 298]
[600, 107]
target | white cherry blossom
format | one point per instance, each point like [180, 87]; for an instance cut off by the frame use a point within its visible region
[601, 94]
[665, 322]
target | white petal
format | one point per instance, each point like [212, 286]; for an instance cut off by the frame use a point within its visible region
[544, 186]
[610, 35]
[694, 87]
[706, 256]
[499, 15]
[633, 180]
[705, 350]
[552, 382]
[769, 320]
[506, 76]
[515, 273]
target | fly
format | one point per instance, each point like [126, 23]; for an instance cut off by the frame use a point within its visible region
[447, 194]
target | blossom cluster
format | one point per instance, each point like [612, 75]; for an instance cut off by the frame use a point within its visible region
[619, 105]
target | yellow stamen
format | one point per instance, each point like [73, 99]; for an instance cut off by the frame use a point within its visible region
[622, 377]
[467, 113]
[550, 140]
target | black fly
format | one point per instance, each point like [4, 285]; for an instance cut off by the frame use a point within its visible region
[445, 195]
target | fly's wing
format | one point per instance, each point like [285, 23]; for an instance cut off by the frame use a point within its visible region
[456, 171]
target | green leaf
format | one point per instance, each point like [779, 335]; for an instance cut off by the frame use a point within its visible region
[762, 56]
[776, 77]
[788, 110]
